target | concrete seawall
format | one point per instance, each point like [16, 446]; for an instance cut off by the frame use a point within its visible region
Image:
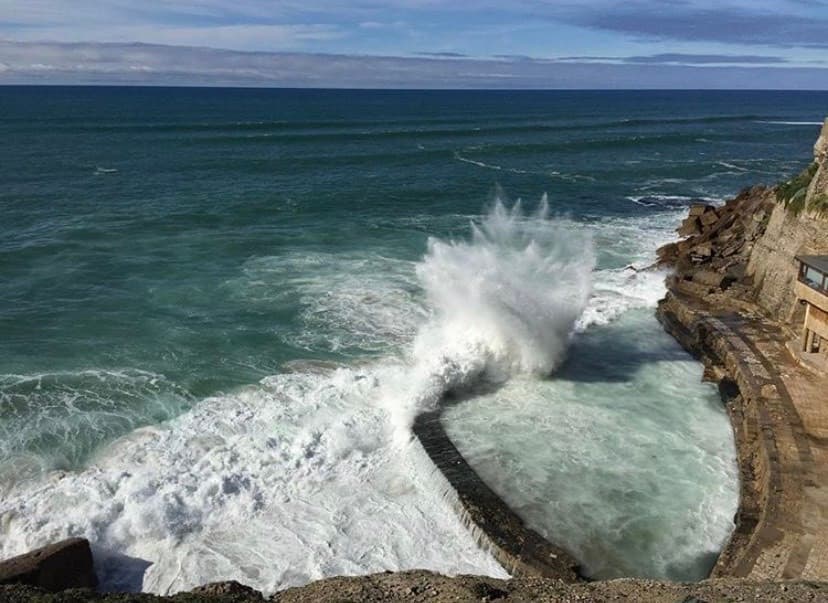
[498, 529]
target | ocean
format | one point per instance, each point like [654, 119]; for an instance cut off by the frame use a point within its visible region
[221, 310]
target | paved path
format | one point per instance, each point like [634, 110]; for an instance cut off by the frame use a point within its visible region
[801, 404]
[792, 543]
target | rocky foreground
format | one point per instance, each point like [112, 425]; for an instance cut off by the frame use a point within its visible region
[426, 586]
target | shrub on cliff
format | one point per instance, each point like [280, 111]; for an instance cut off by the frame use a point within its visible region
[794, 191]
[819, 204]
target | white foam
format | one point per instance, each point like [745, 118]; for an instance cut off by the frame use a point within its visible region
[314, 474]
[793, 123]
[276, 485]
[489, 166]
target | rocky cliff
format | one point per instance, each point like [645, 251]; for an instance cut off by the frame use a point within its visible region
[798, 225]
[751, 242]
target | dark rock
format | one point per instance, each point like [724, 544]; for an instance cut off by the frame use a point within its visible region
[60, 566]
[228, 589]
[488, 592]
[737, 272]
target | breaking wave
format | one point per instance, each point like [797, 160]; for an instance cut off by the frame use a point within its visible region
[315, 473]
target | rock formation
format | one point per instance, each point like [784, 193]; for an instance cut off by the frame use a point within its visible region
[753, 239]
[66, 564]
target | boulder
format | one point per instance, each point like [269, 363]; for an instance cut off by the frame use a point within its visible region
[56, 567]
[705, 250]
[698, 209]
[712, 279]
[668, 254]
[691, 226]
[709, 218]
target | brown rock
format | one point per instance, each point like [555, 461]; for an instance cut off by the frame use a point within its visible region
[705, 250]
[709, 218]
[698, 209]
[712, 279]
[56, 567]
[668, 254]
[691, 226]
[731, 249]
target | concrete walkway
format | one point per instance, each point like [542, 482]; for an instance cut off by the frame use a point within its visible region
[795, 543]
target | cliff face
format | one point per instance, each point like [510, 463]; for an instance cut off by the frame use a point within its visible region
[789, 233]
[772, 265]
[818, 188]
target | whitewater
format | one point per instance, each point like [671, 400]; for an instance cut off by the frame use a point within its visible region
[314, 471]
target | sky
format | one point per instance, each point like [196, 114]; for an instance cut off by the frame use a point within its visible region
[780, 44]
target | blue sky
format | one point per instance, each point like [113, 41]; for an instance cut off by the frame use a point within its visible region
[473, 43]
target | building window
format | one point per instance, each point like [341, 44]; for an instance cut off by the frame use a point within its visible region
[812, 277]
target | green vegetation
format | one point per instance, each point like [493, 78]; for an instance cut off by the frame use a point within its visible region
[819, 204]
[792, 193]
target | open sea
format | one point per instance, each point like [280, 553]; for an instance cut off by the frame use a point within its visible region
[221, 310]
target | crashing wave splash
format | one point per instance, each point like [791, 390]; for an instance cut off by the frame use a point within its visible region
[314, 474]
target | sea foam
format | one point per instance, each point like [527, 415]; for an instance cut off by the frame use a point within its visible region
[312, 474]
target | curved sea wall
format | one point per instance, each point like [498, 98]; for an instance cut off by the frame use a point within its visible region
[498, 529]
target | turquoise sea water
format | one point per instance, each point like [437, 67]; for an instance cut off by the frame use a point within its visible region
[220, 310]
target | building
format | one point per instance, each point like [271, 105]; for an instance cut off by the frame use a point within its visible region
[812, 290]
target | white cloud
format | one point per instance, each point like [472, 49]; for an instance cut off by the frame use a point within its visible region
[79, 63]
[236, 37]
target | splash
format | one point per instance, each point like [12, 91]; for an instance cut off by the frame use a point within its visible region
[314, 473]
[504, 302]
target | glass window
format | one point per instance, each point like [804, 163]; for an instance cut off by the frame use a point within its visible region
[813, 277]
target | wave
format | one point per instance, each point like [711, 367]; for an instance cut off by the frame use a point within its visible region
[54, 420]
[792, 123]
[669, 201]
[314, 473]
[490, 166]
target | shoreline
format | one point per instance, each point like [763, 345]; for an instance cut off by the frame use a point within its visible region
[731, 302]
